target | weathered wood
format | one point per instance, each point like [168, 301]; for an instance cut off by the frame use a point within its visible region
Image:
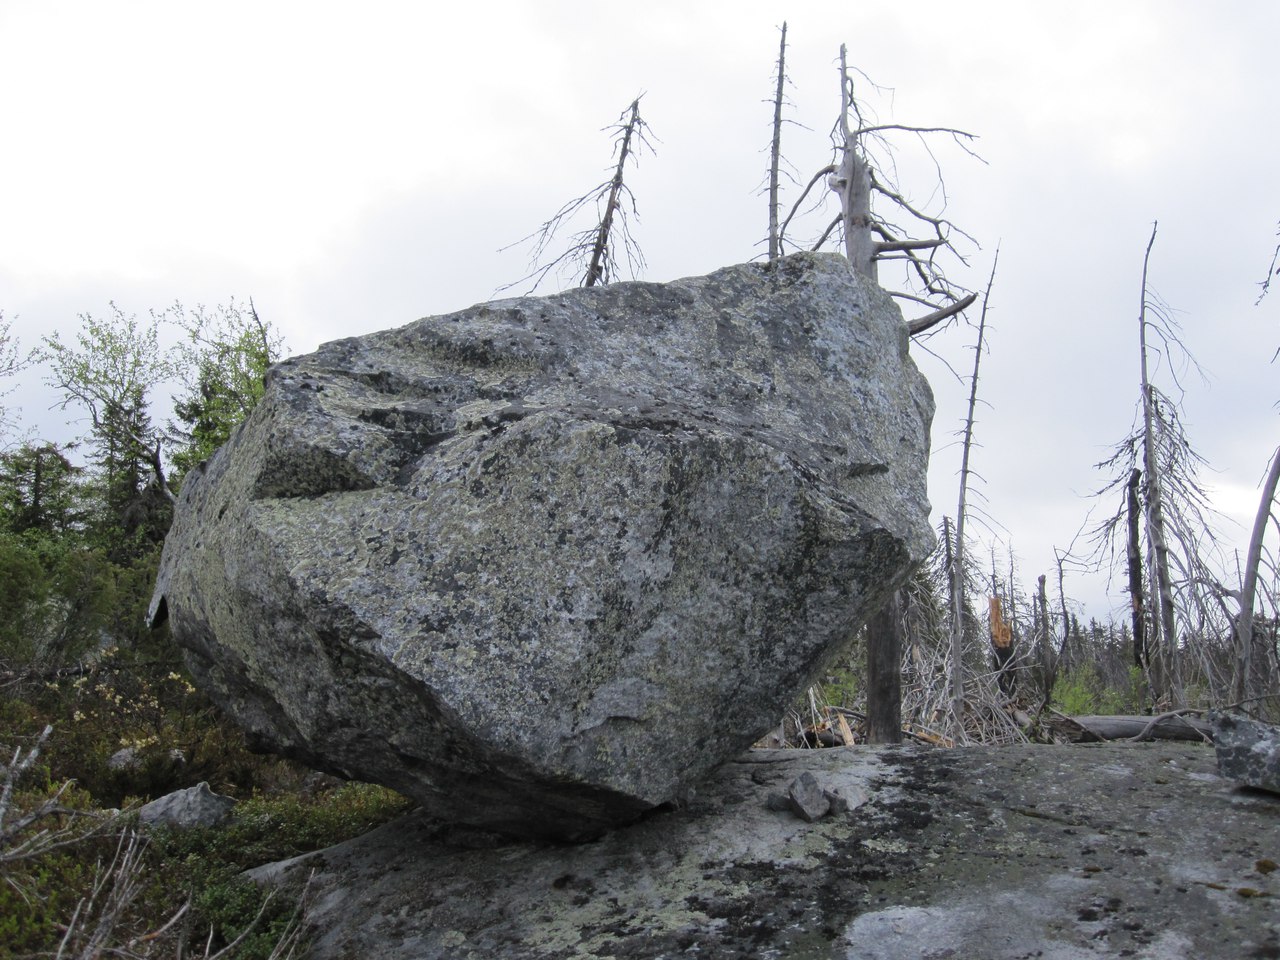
[1090, 729]
[884, 674]
[1249, 582]
[1134, 555]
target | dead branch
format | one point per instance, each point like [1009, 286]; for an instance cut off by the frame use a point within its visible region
[1273, 270]
[930, 320]
[824, 172]
[1147, 732]
[885, 246]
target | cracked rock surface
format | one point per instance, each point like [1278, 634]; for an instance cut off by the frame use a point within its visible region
[545, 563]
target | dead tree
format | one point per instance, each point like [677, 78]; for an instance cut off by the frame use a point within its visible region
[775, 149]
[1243, 681]
[957, 571]
[1001, 642]
[1133, 554]
[884, 674]
[593, 253]
[1157, 465]
[1166, 635]
[871, 239]
[1043, 645]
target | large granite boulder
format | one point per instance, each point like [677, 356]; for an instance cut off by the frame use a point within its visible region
[545, 563]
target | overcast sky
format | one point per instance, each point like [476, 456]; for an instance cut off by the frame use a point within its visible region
[355, 167]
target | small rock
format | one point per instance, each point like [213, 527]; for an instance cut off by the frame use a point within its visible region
[843, 801]
[1248, 751]
[196, 806]
[807, 799]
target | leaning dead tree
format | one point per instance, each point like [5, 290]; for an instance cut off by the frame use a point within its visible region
[1166, 630]
[871, 237]
[592, 254]
[1245, 675]
[956, 573]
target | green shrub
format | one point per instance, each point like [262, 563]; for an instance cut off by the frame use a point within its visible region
[1083, 691]
[265, 829]
[40, 895]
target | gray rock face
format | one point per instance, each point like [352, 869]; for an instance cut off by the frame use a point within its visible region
[196, 806]
[978, 853]
[544, 563]
[1248, 751]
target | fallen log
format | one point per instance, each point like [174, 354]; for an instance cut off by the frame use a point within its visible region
[1168, 726]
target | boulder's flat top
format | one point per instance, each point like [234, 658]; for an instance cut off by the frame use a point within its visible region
[1124, 850]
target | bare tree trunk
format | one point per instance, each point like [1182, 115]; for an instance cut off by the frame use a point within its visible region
[1137, 602]
[775, 151]
[1062, 661]
[1249, 583]
[852, 181]
[1166, 634]
[1044, 648]
[884, 674]
[595, 272]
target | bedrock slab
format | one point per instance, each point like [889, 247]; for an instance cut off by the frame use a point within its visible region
[1058, 852]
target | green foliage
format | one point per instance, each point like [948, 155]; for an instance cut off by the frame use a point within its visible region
[37, 896]
[24, 597]
[1083, 691]
[55, 602]
[232, 907]
[141, 699]
[79, 545]
[279, 826]
[840, 687]
[79, 548]
[40, 895]
[224, 362]
[265, 829]
[11, 361]
[108, 373]
[41, 492]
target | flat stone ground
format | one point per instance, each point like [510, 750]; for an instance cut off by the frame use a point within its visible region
[980, 853]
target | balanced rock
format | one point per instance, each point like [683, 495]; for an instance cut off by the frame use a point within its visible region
[545, 563]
